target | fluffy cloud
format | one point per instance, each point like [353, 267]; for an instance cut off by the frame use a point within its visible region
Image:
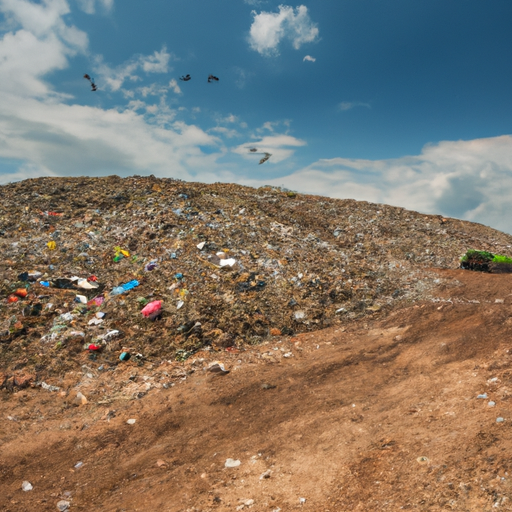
[46, 135]
[308, 58]
[114, 78]
[471, 180]
[268, 29]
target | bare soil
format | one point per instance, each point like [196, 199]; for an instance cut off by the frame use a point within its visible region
[373, 415]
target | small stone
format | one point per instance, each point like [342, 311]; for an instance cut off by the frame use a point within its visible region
[232, 463]
[131, 421]
[26, 486]
[266, 474]
[491, 404]
[63, 505]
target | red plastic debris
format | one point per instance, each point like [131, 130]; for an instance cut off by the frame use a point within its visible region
[152, 307]
[94, 347]
[12, 298]
[21, 292]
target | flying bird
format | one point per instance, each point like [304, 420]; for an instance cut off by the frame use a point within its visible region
[265, 158]
[211, 77]
[93, 85]
[185, 78]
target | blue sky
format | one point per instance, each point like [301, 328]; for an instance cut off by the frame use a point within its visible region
[399, 102]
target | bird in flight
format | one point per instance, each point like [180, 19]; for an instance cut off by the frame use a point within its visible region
[265, 158]
[266, 155]
[185, 78]
[211, 78]
[93, 85]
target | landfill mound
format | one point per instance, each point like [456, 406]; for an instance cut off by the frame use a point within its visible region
[222, 266]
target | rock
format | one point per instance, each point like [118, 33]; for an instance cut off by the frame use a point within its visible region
[26, 486]
[63, 505]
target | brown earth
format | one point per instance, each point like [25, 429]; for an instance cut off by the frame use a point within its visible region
[373, 414]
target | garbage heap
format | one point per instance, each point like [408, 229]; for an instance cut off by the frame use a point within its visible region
[221, 265]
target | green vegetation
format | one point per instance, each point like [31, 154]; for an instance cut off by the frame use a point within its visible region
[473, 255]
[501, 259]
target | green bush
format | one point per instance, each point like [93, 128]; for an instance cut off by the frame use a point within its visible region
[499, 258]
[473, 254]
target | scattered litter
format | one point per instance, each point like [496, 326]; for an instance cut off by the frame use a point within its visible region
[78, 465]
[500, 420]
[125, 356]
[491, 404]
[302, 501]
[423, 460]
[152, 309]
[483, 395]
[266, 474]
[217, 367]
[232, 463]
[48, 387]
[131, 421]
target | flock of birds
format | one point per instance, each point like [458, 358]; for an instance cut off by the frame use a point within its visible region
[186, 78]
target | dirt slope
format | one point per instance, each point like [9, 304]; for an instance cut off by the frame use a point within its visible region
[369, 415]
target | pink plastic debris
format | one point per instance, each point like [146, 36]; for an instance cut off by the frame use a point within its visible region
[151, 308]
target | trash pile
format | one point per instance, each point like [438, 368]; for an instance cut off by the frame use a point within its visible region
[114, 268]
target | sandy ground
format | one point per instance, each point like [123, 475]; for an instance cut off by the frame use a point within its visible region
[380, 414]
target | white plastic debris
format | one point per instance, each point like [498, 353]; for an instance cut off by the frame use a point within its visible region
[131, 421]
[201, 245]
[26, 486]
[48, 387]
[232, 463]
[227, 262]
[86, 285]
[217, 367]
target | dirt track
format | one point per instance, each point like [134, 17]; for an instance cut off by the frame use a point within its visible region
[379, 415]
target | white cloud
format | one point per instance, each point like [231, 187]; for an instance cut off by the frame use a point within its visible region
[348, 105]
[48, 136]
[471, 180]
[114, 78]
[309, 58]
[173, 84]
[268, 29]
